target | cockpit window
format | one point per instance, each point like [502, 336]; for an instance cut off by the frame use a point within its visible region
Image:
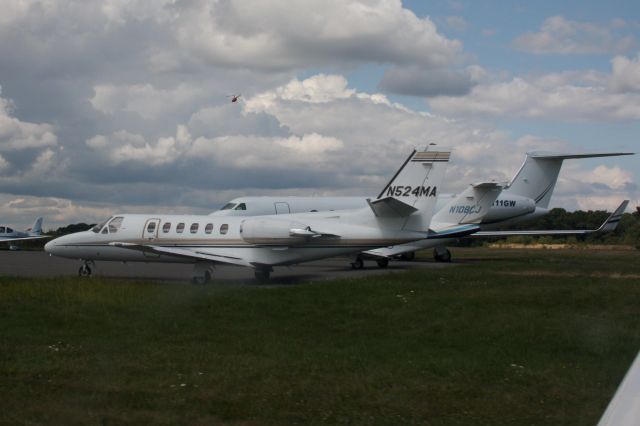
[115, 224]
[228, 206]
[241, 206]
[99, 226]
[9, 230]
[1, 229]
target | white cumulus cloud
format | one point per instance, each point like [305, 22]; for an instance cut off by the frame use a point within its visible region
[626, 74]
[570, 96]
[559, 35]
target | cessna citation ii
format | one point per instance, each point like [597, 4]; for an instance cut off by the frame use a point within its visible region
[400, 214]
[526, 197]
[8, 235]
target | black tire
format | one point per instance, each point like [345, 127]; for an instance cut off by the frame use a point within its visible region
[358, 263]
[382, 263]
[444, 257]
[84, 271]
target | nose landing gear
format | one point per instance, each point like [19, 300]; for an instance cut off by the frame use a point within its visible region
[86, 269]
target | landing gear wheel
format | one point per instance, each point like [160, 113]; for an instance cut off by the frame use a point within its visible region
[358, 263]
[442, 256]
[262, 274]
[382, 263]
[84, 271]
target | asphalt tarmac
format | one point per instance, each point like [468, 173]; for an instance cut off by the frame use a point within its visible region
[40, 264]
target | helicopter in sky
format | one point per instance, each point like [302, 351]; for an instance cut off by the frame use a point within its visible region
[234, 98]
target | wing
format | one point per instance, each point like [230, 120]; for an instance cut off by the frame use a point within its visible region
[7, 240]
[184, 253]
[607, 226]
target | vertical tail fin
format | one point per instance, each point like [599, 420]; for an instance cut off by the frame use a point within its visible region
[36, 228]
[413, 190]
[538, 174]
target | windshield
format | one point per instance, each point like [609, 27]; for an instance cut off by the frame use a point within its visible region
[115, 224]
[228, 206]
[99, 226]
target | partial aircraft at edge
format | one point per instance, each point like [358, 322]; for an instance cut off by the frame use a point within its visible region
[400, 214]
[8, 234]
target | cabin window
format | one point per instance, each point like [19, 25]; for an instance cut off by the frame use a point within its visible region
[9, 230]
[228, 206]
[180, 228]
[115, 224]
[224, 228]
[209, 228]
[151, 227]
[241, 206]
[166, 227]
[194, 228]
[1, 229]
[105, 230]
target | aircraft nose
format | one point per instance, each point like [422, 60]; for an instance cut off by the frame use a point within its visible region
[52, 247]
[49, 247]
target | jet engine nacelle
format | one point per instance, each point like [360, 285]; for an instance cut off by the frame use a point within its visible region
[273, 231]
[509, 206]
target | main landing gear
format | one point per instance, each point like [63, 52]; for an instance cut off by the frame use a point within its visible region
[86, 268]
[441, 254]
[358, 263]
[202, 273]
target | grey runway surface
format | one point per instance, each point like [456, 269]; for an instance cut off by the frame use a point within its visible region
[40, 264]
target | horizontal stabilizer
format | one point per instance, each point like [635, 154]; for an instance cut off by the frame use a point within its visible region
[183, 253]
[569, 156]
[607, 226]
[390, 207]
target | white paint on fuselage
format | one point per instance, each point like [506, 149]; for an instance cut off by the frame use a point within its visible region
[358, 230]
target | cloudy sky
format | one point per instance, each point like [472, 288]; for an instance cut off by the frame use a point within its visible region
[120, 105]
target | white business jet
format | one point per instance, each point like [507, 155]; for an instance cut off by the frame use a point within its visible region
[9, 235]
[526, 197]
[402, 213]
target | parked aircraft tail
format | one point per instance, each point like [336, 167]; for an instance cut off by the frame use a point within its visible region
[462, 215]
[36, 228]
[537, 176]
[413, 190]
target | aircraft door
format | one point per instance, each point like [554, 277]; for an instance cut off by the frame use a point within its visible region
[150, 231]
[282, 208]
